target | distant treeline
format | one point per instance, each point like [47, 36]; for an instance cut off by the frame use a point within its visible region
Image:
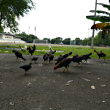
[98, 41]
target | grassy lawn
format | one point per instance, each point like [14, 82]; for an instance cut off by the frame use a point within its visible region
[80, 50]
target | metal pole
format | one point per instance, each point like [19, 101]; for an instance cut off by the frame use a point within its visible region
[35, 30]
[92, 42]
[28, 30]
[88, 32]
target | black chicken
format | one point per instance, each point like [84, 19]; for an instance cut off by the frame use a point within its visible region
[26, 67]
[31, 51]
[64, 63]
[77, 59]
[18, 55]
[45, 57]
[34, 59]
[86, 57]
[34, 48]
[62, 57]
[51, 57]
[100, 54]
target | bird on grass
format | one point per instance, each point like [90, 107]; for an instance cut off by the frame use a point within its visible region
[31, 51]
[51, 51]
[26, 67]
[100, 54]
[23, 49]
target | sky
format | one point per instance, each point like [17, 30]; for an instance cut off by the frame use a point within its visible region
[60, 18]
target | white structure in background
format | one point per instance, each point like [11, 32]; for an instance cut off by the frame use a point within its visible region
[61, 43]
[4, 37]
[72, 42]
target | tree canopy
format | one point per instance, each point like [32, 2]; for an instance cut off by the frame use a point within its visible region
[104, 19]
[12, 9]
[101, 18]
[87, 41]
[28, 38]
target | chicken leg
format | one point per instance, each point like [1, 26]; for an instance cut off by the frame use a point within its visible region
[66, 69]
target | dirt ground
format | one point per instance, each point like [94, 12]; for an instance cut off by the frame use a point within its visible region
[81, 88]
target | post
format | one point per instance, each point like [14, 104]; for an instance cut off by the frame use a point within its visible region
[92, 42]
[35, 30]
[88, 32]
[28, 30]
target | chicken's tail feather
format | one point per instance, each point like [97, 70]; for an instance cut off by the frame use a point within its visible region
[90, 53]
[70, 53]
[54, 52]
[20, 66]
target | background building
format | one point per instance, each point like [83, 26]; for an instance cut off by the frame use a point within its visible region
[4, 37]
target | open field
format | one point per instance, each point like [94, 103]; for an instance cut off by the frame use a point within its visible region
[80, 50]
[81, 88]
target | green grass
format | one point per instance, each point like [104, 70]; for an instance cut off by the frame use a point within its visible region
[80, 50]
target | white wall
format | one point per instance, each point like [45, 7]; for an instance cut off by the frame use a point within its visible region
[11, 39]
[0, 37]
[7, 37]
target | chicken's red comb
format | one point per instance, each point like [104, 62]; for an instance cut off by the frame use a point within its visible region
[94, 50]
[55, 68]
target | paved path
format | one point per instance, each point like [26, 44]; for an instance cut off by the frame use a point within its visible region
[81, 88]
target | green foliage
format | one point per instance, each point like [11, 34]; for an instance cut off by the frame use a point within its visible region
[59, 38]
[12, 9]
[66, 41]
[56, 40]
[53, 41]
[105, 5]
[47, 39]
[100, 11]
[99, 41]
[101, 18]
[77, 41]
[27, 38]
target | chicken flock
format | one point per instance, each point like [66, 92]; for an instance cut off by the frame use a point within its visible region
[61, 61]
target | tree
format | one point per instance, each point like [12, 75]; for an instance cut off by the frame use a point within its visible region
[47, 39]
[77, 41]
[105, 18]
[89, 41]
[99, 41]
[59, 38]
[100, 18]
[66, 41]
[12, 9]
[53, 41]
[27, 38]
